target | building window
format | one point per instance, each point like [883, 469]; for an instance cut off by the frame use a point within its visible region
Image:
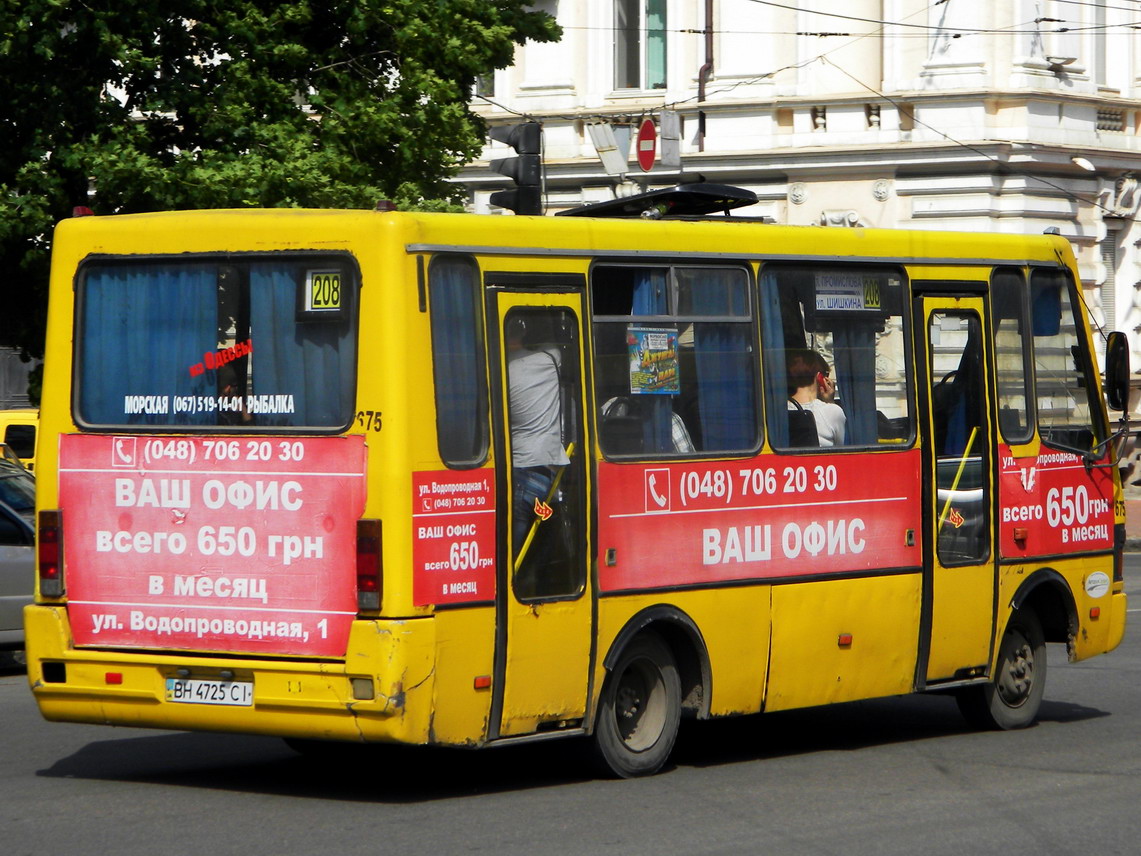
[1109, 287]
[640, 44]
[1099, 43]
[906, 117]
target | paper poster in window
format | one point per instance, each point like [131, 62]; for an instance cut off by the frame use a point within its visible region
[653, 361]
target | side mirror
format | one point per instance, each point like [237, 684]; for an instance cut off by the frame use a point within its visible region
[1117, 371]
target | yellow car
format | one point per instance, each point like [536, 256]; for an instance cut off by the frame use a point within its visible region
[18, 429]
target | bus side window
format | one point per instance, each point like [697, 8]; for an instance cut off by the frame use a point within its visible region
[1062, 366]
[850, 320]
[1012, 355]
[675, 366]
[457, 361]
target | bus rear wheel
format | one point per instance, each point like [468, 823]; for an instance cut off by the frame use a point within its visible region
[639, 710]
[1014, 695]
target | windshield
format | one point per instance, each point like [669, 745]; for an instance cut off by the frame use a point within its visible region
[252, 342]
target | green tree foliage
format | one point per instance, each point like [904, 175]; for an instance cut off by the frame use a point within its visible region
[146, 106]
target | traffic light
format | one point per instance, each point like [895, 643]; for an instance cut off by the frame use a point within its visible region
[526, 170]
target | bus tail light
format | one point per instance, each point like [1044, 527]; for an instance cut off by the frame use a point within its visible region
[368, 564]
[49, 549]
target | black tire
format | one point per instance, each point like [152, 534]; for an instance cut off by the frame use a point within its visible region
[639, 711]
[1014, 695]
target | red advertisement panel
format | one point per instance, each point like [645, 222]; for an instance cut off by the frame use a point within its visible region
[1053, 503]
[682, 524]
[212, 543]
[453, 536]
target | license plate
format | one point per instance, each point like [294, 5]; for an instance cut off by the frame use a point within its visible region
[194, 691]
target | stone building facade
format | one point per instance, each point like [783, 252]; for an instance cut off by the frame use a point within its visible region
[1010, 116]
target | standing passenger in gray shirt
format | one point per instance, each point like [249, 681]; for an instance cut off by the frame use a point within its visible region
[535, 416]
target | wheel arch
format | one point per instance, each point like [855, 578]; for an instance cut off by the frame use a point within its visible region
[681, 634]
[1048, 594]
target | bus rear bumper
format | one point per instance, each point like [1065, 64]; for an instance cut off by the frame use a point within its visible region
[1102, 625]
[1118, 608]
[331, 700]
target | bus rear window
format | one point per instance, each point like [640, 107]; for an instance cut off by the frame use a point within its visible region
[253, 343]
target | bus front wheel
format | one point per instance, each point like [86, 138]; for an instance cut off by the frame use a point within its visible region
[639, 710]
[1014, 694]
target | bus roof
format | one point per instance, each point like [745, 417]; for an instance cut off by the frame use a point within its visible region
[290, 229]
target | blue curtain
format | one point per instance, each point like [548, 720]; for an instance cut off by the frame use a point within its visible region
[651, 292]
[142, 329]
[776, 373]
[651, 298]
[314, 362]
[725, 384]
[854, 346]
[461, 420]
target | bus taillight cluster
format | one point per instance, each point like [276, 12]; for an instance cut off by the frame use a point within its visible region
[368, 564]
[49, 546]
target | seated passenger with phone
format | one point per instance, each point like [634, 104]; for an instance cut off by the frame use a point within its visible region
[811, 390]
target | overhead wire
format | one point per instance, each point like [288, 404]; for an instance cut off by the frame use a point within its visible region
[923, 30]
[939, 28]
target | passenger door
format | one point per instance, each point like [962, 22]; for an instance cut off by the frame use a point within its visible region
[545, 606]
[959, 557]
